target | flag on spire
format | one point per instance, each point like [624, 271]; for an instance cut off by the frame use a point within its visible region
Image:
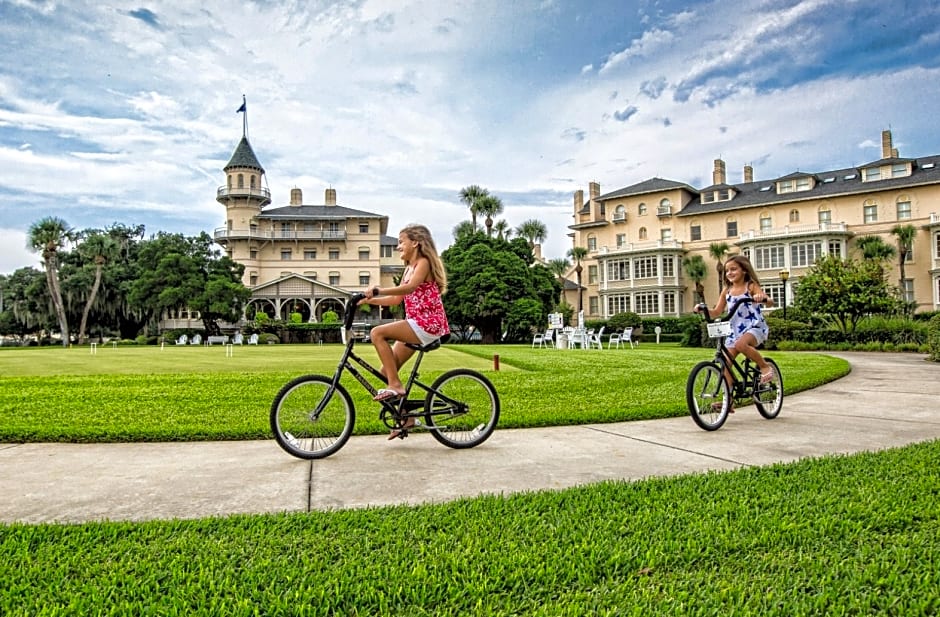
[244, 107]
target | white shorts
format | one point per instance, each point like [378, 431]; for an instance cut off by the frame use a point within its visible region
[423, 336]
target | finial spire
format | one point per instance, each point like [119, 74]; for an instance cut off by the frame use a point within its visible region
[244, 110]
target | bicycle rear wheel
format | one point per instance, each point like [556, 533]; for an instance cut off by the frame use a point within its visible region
[461, 409]
[707, 395]
[768, 397]
[310, 419]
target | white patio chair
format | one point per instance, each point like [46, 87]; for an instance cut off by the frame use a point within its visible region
[579, 338]
[614, 341]
[183, 340]
[627, 337]
[542, 338]
[253, 339]
[595, 339]
[238, 339]
[197, 340]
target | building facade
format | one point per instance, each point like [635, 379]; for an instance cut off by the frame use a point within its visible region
[300, 258]
[637, 237]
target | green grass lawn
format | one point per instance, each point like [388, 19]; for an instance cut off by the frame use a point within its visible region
[842, 535]
[198, 393]
[846, 535]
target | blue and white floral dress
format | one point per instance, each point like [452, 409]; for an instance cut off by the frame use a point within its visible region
[748, 318]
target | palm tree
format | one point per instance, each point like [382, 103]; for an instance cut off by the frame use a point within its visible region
[463, 228]
[534, 231]
[578, 253]
[48, 236]
[559, 267]
[98, 248]
[470, 195]
[873, 247]
[503, 230]
[905, 235]
[696, 270]
[490, 206]
[718, 250]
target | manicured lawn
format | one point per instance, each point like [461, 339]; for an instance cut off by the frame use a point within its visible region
[198, 393]
[847, 535]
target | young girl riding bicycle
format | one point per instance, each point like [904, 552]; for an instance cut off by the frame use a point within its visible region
[422, 285]
[748, 326]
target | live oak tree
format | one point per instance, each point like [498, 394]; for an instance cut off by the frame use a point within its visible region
[177, 272]
[494, 286]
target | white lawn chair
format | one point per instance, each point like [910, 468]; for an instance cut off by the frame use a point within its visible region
[579, 338]
[238, 339]
[253, 339]
[542, 339]
[614, 341]
[197, 340]
[595, 339]
[627, 337]
[183, 340]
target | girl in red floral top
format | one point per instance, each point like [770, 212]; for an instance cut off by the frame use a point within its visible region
[422, 284]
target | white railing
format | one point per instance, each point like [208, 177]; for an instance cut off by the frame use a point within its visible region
[223, 233]
[633, 247]
[794, 230]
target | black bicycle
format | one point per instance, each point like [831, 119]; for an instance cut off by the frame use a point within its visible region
[710, 396]
[313, 416]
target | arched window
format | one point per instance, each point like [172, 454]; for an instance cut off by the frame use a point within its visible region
[766, 223]
[592, 243]
[620, 213]
[252, 181]
[794, 216]
[643, 234]
[241, 181]
[641, 209]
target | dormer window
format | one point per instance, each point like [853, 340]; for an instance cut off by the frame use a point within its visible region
[719, 195]
[900, 170]
[871, 173]
[794, 185]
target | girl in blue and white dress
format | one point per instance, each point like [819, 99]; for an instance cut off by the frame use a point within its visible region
[748, 326]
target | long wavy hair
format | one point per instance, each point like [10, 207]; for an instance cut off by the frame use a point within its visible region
[426, 248]
[750, 276]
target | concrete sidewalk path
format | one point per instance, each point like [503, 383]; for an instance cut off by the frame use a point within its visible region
[887, 400]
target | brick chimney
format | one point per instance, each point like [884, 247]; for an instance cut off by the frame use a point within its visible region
[718, 175]
[296, 197]
[748, 174]
[329, 198]
[594, 189]
[578, 200]
[887, 150]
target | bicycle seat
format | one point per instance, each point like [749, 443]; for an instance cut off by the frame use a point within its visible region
[430, 346]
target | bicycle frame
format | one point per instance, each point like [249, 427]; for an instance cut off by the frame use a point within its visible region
[738, 372]
[400, 408]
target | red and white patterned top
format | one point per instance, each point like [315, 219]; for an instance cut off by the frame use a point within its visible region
[425, 306]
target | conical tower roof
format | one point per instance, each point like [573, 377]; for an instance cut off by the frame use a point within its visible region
[244, 156]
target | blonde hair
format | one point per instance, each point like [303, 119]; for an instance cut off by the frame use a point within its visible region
[426, 249]
[749, 275]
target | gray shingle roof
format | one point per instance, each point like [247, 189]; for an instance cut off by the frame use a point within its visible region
[317, 212]
[244, 156]
[828, 184]
[653, 185]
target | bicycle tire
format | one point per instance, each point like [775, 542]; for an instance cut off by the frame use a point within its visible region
[708, 396]
[461, 409]
[297, 432]
[768, 397]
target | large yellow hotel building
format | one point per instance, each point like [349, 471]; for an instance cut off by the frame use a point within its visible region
[636, 237]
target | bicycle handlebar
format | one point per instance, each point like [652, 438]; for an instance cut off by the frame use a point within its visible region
[733, 309]
[351, 309]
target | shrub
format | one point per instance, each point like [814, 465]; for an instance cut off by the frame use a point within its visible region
[625, 320]
[330, 317]
[296, 318]
[268, 339]
[933, 338]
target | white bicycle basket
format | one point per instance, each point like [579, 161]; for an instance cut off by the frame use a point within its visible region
[719, 329]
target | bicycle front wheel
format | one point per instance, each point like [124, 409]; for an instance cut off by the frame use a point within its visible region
[707, 395]
[768, 397]
[461, 409]
[311, 419]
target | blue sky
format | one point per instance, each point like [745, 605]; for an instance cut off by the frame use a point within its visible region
[125, 111]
